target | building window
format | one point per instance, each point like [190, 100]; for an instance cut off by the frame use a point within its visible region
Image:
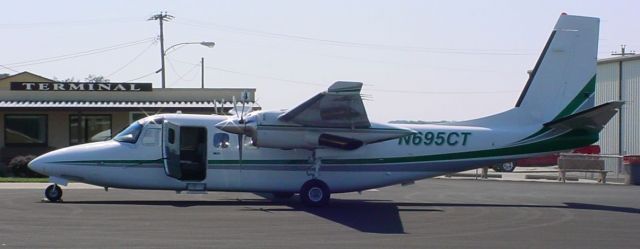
[25, 129]
[89, 128]
[134, 116]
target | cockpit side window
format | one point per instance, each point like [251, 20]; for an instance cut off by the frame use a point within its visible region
[151, 136]
[221, 140]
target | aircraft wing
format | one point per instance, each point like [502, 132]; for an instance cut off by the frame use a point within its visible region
[338, 107]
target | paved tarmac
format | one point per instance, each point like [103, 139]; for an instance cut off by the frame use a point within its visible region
[435, 213]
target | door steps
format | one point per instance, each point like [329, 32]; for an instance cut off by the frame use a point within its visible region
[196, 188]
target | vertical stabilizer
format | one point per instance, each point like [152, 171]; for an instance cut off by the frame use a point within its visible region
[563, 79]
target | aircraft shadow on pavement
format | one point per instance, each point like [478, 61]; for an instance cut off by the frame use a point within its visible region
[362, 215]
[369, 216]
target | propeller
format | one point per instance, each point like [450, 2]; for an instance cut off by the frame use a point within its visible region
[241, 124]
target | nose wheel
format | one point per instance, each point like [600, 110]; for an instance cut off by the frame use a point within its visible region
[53, 193]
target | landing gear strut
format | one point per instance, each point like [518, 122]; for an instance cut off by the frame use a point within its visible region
[316, 162]
[315, 192]
[53, 193]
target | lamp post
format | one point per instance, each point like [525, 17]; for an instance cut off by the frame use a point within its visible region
[164, 53]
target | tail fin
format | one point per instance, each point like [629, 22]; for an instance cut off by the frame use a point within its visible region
[563, 79]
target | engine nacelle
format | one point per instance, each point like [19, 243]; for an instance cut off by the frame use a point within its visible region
[288, 139]
[268, 131]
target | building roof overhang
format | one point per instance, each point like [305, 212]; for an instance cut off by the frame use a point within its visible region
[209, 106]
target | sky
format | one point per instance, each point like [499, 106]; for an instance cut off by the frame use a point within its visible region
[418, 60]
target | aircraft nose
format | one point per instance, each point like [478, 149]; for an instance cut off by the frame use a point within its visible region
[38, 165]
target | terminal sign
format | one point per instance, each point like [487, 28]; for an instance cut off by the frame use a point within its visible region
[81, 86]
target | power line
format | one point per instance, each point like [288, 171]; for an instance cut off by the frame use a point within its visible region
[132, 60]
[441, 92]
[11, 69]
[181, 76]
[143, 76]
[78, 54]
[66, 22]
[254, 75]
[368, 89]
[173, 68]
[209, 25]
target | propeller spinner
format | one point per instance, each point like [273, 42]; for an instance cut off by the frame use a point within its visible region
[243, 124]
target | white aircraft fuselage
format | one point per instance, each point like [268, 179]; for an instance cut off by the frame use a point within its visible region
[434, 150]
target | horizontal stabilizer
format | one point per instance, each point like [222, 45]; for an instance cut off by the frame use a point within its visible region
[592, 119]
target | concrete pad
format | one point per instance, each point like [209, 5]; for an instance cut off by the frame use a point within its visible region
[42, 186]
[429, 214]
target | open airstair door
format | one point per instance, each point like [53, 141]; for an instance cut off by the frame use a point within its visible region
[171, 149]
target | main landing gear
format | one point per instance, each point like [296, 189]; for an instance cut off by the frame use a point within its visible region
[315, 192]
[53, 193]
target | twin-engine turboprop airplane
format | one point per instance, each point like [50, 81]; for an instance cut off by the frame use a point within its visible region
[328, 145]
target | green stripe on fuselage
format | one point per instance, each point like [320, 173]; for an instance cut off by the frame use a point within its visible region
[571, 108]
[569, 140]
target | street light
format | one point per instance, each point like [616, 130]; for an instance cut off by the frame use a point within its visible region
[164, 53]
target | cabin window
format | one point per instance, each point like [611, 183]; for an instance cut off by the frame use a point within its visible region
[172, 136]
[221, 140]
[25, 129]
[89, 128]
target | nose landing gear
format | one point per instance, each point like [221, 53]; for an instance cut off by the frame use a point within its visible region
[53, 193]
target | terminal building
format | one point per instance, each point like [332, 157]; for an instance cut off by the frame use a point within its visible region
[39, 114]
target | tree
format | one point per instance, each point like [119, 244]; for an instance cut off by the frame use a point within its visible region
[90, 78]
[96, 79]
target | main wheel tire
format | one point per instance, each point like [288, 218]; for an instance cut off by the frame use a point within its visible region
[282, 195]
[508, 167]
[53, 193]
[315, 193]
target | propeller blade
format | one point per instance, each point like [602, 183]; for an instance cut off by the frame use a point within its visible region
[242, 114]
[235, 106]
[240, 145]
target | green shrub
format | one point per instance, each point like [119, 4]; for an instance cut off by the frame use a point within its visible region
[18, 166]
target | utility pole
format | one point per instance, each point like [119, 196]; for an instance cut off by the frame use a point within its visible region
[162, 17]
[202, 71]
[623, 52]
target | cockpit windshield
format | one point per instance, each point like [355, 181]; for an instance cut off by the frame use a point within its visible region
[131, 133]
